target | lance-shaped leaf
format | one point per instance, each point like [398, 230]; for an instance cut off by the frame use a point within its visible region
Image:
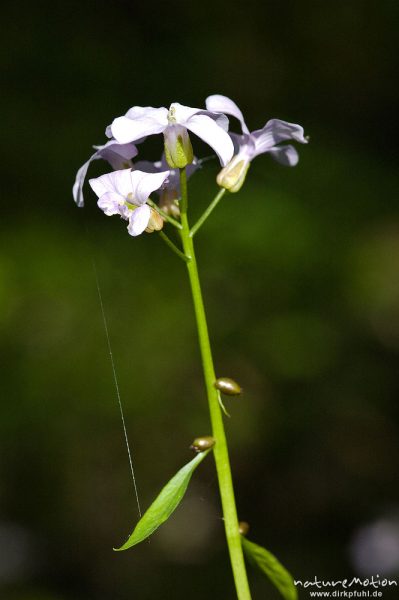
[164, 504]
[271, 567]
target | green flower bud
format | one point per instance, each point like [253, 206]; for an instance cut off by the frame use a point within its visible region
[228, 386]
[232, 176]
[243, 527]
[200, 444]
[178, 148]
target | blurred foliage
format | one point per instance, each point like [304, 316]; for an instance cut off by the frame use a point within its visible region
[300, 273]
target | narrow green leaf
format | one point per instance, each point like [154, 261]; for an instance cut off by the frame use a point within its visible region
[272, 568]
[164, 504]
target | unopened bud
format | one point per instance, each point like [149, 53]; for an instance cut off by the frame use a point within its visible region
[232, 176]
[228, 386]
[169, 202]
[200, 444]
[155, 223]
[243, 527]
[178, 148]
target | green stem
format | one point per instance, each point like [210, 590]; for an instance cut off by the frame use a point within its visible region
[220, 450]
[173, 246]
[207, 212]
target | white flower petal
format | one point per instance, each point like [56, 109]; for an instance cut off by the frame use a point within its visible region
[118, 155]
[148, 112]
[77, 189]
[110, 203]
[286, 155]
[114, 153]
[276, 131]
[244, 145]
[182, 113]
[138, 220]
[143, 184]
[220, 119]
[209, 131]
[222, 104]
[118, 181]
[139, 123]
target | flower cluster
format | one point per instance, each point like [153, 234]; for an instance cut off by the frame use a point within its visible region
[126, 190]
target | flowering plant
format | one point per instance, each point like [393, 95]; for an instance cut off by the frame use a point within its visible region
[126, 192]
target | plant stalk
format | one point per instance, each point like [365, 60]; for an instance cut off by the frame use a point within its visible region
[207, 212]
[173, 246]
[220, 450]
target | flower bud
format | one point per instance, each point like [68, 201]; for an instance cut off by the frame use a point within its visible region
[200, 444]
[228, 386]
[178, 148]
[169, 202]
[243, 527]
[232, 176]
[155, 223]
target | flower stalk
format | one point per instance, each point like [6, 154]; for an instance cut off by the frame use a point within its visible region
[220, 449]
[207, 212]
[173, 246]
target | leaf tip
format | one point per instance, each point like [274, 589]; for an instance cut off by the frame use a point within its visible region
[121, 548]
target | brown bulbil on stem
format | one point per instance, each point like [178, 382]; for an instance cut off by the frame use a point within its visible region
[200, 444]
[243, 527]
[228, 386]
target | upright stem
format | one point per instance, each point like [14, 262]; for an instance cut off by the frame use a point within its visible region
[220, 450]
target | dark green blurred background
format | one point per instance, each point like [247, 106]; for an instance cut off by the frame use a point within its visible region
[301, 278]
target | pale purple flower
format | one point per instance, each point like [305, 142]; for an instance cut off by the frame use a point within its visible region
[140, 121]
[169, 193]
[125, 193]
[251, 144]
[173, 181]
[118, 155]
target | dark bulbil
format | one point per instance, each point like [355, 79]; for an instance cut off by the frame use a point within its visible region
[228, 386]
[200, 444]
